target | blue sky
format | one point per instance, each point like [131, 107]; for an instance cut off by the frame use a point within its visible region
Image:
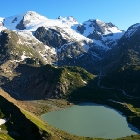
[122, 13]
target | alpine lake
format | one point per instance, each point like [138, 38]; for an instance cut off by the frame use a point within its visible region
[91, 120]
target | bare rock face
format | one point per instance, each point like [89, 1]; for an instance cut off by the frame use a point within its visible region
[8, 66]
[98, 30]
[21, 25]
[50, 37]
[18, 49]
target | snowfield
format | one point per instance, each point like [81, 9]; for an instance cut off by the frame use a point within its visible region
[33, 20]
[25, 24]
[2, 121]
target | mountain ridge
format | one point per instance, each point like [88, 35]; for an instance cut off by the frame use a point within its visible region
[32, 41]
[97, 37]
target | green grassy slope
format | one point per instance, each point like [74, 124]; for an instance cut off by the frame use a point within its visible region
[18, 125]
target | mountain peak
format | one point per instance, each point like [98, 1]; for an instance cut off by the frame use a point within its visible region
[59, 17]
[68, 18]
[32, 14]
[21, 21]
[94, 20]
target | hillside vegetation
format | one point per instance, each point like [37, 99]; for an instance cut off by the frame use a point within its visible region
[18, 126]
[31, 82]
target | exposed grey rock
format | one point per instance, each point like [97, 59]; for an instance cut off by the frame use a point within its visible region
[21, 25]
[50, 37]
[14, 20]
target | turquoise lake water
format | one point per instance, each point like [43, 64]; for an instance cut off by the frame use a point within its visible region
[91, 120]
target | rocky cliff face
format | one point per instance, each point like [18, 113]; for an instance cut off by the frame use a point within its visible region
[50, 37]
[13, 47]
[107, 33]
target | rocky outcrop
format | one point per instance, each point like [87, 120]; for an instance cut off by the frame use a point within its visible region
[8, 66]
[50, 37]
[15, 48]
[20, 25]
[107, 33]
[46, 82]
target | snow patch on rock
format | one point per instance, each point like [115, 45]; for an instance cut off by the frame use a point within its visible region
[3, 121]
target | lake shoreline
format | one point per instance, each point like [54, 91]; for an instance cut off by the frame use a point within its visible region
[83, 103]
[117, 107]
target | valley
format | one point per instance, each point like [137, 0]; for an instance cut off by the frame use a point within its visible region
[49, 65]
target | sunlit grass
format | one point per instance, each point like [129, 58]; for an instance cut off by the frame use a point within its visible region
[5, 137]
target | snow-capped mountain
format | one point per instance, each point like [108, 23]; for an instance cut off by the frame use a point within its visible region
[1, 24]
[64, 40]
[107, 33]
[70, 20]
[31, 21]
[127, 52]
[23, 21]
[132, 30]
